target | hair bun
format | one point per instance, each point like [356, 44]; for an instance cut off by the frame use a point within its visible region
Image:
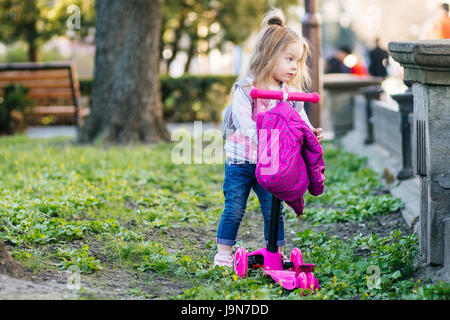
[275, 20]
[273, 17]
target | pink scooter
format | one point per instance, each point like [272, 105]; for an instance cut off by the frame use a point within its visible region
[289, 274]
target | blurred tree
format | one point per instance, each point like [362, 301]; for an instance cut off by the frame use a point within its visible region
[198, 26]
[126, 100]
[36, 21]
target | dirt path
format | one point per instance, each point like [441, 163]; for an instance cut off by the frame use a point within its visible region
[20, 289]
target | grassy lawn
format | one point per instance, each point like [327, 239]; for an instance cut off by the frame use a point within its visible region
[135, 225]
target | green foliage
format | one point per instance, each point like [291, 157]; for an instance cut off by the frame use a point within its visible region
[36, 21]
[16, 52]
[79, 258]
[189, 97]
[342, 273]
[160, 261]
[59, 16]
[356, 209]
[352, 191]
[223, 284]
[69, 206]
[14, 99]
[343, 265]
[394, 252]
[55, 193]
[183, 19]
[85, 87]
[438, 291]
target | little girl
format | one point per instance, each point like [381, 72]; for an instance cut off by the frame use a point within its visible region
[278, 62]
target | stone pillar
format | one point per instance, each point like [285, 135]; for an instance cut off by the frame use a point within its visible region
[427, 66]
[370, 93]
[405, 105]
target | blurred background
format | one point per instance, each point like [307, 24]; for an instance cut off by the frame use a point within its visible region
[196, 41]
[210, 41]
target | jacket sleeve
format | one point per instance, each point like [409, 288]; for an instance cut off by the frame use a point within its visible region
[299, 107]
[313, 156]
[242, 114]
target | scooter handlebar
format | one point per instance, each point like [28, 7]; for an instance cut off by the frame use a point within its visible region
[280, 95]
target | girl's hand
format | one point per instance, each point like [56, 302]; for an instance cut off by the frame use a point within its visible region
[318, 133]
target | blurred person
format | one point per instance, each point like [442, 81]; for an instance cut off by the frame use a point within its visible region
[438, 26]
[378, 60]
[358, 67]
[345, 61]
[336, 63]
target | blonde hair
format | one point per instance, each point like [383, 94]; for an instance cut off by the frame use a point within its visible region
[270, 42]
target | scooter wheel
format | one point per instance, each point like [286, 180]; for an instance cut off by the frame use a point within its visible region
[303, 280]
[241, 262]
[296, 258]
[311, 280]
[316, 284]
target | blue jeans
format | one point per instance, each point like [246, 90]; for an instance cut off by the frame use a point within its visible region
[239, 180]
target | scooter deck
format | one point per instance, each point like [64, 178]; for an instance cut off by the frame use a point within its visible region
[290, 280]
[298, 276]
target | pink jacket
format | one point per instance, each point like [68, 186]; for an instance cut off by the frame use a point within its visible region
[289, 158]
[242, 144]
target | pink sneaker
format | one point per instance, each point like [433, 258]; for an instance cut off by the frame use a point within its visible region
[223, 259]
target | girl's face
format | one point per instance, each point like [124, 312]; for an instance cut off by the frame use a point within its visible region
[286, 65]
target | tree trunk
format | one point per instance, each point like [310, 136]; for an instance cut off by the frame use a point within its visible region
[31, 37]
[126, 101]
[32, 51]
[190, 54]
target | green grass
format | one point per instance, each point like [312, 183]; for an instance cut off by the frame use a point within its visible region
[55, 192]
[130, 208]
[352, 191]
[341, 273]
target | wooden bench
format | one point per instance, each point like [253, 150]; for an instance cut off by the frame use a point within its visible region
[53, 87]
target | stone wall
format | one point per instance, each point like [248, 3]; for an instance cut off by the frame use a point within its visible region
[386, 124]
[427, 67]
